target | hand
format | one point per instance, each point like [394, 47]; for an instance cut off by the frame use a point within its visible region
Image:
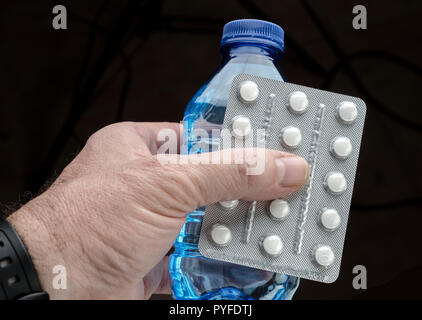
[115, 211]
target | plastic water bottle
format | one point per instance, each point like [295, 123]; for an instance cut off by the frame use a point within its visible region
[253, 47]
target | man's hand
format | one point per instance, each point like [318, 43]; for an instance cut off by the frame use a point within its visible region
[115, 211]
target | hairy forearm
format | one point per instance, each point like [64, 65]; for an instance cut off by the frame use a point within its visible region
[30, 223]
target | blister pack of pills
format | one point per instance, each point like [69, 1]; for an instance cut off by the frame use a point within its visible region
[302, 234]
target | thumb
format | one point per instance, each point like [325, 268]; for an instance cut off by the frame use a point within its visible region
[249, 174]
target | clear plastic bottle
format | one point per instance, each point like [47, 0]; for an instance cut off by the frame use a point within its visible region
[252, 47]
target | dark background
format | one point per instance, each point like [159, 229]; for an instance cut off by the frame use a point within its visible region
[143, 60]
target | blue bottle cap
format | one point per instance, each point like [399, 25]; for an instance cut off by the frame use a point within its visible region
[253, 31]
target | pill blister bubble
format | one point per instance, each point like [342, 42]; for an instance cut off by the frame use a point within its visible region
[241, 127]
[220, 235]
[248, 91]
[272, 245]
[347, 112]
[335, 182]
[330, 219]
[298, 102]
[291, 137]
[231, 204]
[323, 256]
[341, 147]
[278, 209]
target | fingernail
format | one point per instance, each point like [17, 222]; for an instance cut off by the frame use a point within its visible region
[292, 171]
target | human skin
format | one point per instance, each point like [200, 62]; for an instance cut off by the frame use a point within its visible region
[115, 210]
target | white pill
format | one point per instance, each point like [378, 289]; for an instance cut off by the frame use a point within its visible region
[298, 102]
[347, 112]
[341, 147]
[330, 219]
[231, 204]
[324, 255]
[335, 182]
[248, 91]
[241, 126]
[272, 245]
[221, 235]
[291, 137]
[279, 209]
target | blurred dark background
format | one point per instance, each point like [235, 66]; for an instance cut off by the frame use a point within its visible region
[143, 60]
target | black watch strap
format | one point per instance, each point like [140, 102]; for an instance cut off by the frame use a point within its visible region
[18, 277]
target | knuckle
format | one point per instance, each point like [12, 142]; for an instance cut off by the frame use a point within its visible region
[107, 131]
[94, 140]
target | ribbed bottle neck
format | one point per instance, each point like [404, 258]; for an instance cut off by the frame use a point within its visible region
[245, 49]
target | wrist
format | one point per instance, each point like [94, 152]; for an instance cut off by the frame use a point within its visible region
[29, 223]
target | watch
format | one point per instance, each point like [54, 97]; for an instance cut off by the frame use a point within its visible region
[18, 277]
